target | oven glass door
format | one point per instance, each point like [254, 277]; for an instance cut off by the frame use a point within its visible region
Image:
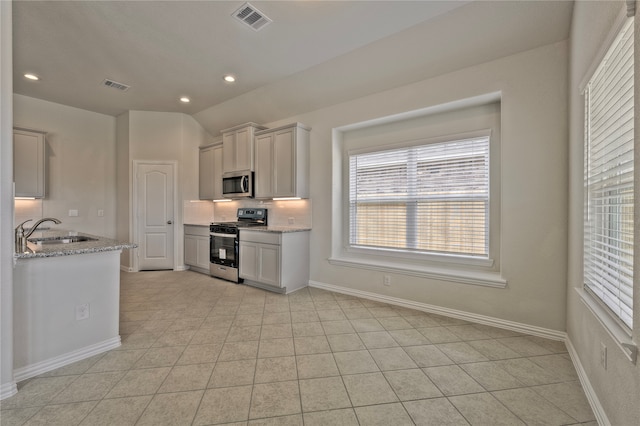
[224, 249]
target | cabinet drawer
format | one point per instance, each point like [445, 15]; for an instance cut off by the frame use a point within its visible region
[260, 237]
[196, 230]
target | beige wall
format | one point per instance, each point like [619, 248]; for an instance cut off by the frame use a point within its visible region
[533, 188]
[80, 161]
[159, 136]
[616, 388]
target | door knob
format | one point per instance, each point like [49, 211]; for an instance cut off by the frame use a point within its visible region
[169, 222]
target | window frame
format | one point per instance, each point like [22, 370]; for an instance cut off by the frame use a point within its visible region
[432, 258]
[611, 321]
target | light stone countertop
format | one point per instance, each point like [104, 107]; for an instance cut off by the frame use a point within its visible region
[282, 229]
[100, 244]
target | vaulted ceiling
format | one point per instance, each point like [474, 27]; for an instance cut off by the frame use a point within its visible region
[313, 54]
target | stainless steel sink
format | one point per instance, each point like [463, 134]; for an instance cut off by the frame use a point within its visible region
[61, 240]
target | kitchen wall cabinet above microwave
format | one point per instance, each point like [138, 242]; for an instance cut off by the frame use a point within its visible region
[237, 151]
[210, 172]
[29, 171]
[282, 162]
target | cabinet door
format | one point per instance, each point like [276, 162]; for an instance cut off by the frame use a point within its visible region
[28, 163]
[244, 149]
[284, 172]
[228, 152]
[269, 264]
[206, 173]
[217, 172]
[264, 166]
[202, 252]
[248, 258]
[190, 250]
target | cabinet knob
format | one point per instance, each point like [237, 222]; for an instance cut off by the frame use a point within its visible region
[169, 222]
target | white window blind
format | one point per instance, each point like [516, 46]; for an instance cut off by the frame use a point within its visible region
[430, 198]
[609, 204]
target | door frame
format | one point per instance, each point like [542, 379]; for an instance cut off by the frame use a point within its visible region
[135, 220]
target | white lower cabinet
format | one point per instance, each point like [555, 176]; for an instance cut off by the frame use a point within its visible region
[196, 248]
[277, 261]
[260, 262]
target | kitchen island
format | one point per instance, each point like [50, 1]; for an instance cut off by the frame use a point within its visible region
[66, 300]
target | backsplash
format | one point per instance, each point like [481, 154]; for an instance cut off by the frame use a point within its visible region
[27, 209]
[197, 211]
[281, 213]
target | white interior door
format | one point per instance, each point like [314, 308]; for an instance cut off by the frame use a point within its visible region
[155, 205]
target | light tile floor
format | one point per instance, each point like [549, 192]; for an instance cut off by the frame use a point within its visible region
[199, 351]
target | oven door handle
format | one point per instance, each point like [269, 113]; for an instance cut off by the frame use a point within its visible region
[215, 234]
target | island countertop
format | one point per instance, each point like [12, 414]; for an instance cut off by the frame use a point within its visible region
[96, 245]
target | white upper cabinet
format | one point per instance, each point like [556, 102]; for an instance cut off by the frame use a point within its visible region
[29, 163]
[210, 172]
[282, 162]
[237, 143]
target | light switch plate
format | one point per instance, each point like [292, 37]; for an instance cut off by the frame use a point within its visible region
[73, 213]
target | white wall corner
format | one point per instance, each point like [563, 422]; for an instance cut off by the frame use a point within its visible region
[8, 390]
[7, 381]
[125, 268]
[590, 393]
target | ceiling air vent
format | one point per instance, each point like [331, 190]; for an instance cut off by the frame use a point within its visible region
[115, 85]
[251, 16]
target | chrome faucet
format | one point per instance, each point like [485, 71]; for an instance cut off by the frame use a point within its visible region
[21, 237]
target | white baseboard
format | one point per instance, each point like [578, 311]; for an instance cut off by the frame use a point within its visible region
[124, 268]
[181, 268]
[467, 316]
[50, 364]
[590, 393]
[8, 389]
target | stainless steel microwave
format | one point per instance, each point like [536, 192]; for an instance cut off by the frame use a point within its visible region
[237, 184]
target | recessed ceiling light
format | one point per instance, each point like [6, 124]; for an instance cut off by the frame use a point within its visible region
[32, 76]
[229, 78]
[185, 100]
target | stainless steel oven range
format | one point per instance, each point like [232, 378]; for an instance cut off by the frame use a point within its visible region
[224, 247]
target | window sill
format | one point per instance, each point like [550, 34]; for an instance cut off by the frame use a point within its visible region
[357, 252]
[486, 279]
[615, 331]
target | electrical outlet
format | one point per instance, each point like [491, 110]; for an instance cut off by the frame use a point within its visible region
[386, 280]
[82, 312]
[100, 213]
[603, 355]
[73, 213]
[292, 220]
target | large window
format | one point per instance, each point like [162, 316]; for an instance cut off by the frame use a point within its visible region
[429, 198]
[609, 170]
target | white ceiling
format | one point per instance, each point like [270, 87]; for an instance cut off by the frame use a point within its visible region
[315, 53]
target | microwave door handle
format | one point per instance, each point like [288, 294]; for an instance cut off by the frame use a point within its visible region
[245, 184]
